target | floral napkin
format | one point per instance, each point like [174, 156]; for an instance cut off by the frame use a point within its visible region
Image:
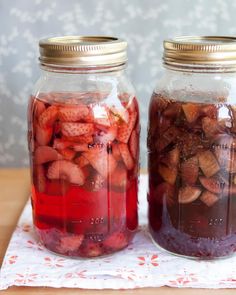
[28, 263]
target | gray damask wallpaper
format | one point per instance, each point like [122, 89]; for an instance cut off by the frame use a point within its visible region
[143, 23]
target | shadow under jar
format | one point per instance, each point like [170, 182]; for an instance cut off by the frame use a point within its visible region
[83, 135]
[192, 149]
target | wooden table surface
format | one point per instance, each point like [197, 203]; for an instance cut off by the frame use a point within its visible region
[14, 191]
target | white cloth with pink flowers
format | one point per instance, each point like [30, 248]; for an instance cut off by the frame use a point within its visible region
[28, 263]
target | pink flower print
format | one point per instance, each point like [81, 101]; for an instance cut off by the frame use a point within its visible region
[54, 261]
[126, 274]
[12, 259]
[25, 278]
[34, 245]
[80, 274]
[148, 260]
[183, 280]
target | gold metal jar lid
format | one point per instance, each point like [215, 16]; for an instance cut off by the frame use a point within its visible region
[201, 51]
[82, 51]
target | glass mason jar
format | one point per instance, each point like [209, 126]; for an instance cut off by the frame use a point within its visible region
[192, 149]
[83, 135]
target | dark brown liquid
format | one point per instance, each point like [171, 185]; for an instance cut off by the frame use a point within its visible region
[192, 183]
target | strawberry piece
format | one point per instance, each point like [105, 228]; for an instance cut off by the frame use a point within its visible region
[66, 170]
[44, 154]
[210, 127]
[167, 137]
[108, 136]
[87, 138]
[171, 159]
[126, 156]
[43, 135]
[68, 154]
[94, 182]
[91, 249]
[190, 144]
[168, 174]
[188, 194]
[76, 129]
[48, 117]
[164, 193]
[189, 170]
[101, 115]
[39, 108]
[125, 130]
[81, 161]
[212, 184]
[70, 243]
[116, 241]
[191, 111]
[119, 178]
[101, 161]
[80, 147]
[39, 178]
[119, 115]
[134, 144]
[173, 110]
[209, 111]
[209, 198]
[208, 163]
[61, 144]
[116, 152]
[73, 114]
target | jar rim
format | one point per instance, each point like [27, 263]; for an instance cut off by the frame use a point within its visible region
[86, 51]
[213, 52]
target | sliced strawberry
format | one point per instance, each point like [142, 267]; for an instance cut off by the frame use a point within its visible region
[80, 147]
[188, 194]
[191, 111]
[116, 241]
[61, 144]
[81, 161]
[164, 193]
[134, 144]
[116, 152]
[208, 163]
[87, 138]
[171, 159]
[101, 115]
[212, 184]
[167, 137]
[173, 110]
[119, 178]
[125, 130]
[209, 111]
[43, 135]
[119, 114]
[94, 182]
[189, 171]
[168, 174]
[209, 198]
[126, 156]
[44, 154]
[67, 170]
[101, 161]
[70, 243]
[91, 249]
[68, 154]
[226, 158]
[89, 118]
[39, 108]
[39, 178]
[48, 117]
[73, 113]
[210, 127]
[108, 136]
[76, 129]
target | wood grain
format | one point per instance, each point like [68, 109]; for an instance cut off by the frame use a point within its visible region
[14, 192]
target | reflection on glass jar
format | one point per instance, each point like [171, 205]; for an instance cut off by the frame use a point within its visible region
[84, 147]
[192, 149]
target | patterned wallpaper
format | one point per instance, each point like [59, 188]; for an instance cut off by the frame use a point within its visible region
[143, 23]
